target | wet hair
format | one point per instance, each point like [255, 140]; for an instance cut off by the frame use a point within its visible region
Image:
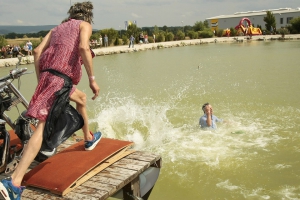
[81, 11]
[204, 105]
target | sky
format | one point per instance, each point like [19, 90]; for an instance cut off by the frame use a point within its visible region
[147, 13]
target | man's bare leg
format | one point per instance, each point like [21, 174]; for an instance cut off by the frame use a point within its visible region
[30, 152]
[80, 99]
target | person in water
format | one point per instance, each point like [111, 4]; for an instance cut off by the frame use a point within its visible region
[208, 120]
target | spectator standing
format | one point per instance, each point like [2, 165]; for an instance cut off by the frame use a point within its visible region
[105, 40]
[146, 39]
[29, 44]
[100, 40]
[131, 41]
[141, 38]
[3, 51]
[25, 48]
[153, 37]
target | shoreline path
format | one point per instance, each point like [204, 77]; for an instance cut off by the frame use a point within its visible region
[152, 46]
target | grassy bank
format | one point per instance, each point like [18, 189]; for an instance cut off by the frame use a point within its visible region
[20, 41]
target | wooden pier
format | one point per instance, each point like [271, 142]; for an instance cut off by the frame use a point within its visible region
[120, 177]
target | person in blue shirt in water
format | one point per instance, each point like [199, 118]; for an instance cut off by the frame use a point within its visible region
[208, 120]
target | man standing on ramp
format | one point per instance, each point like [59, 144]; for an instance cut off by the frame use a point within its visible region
[63, 50]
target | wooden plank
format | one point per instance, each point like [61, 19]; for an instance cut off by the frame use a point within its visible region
[29, 193]
[131, 164]
[99, 168]
[137, 168]
[107, 180]
[122, 171]
[83, 192]
[103, 184]
[143, 156]
[153, 159]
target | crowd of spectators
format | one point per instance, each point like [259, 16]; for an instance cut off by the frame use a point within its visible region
[11, 51]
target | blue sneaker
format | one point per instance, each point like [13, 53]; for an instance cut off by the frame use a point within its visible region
[9, 191]
[90, 145]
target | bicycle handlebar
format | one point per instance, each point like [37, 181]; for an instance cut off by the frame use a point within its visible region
[15, 73]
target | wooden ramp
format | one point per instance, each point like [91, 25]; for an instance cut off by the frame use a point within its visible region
[123, 174]
[71, 167]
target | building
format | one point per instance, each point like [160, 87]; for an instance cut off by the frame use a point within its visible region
[127, 23]
[282, 16]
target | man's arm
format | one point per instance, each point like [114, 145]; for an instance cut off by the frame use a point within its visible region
[208, 112]
[84, 49]
[38, 51]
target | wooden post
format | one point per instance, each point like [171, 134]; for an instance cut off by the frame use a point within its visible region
[132, 190]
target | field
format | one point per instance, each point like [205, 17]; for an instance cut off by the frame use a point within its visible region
[20, 41]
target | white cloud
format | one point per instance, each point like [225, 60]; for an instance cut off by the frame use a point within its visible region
[135, 15]
[113, 13]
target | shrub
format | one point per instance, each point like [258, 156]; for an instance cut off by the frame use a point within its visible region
[117, 42]
[111, 34]
[233, 32]
[125, 40]
[3, 41]
[160, 37]
[283, 31]
[207, 33]
[220, 32]
[150, 40]
[192, 34]
[295, 25]
[36, 43]
[169, 36]
[180, 35]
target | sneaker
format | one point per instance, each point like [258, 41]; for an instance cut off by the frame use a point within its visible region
[90, 145]
[9, 191]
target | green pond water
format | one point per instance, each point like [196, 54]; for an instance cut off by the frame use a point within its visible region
[154, 98]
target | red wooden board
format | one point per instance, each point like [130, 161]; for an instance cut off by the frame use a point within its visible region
[59, 172]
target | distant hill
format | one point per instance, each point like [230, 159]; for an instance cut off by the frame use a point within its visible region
[24, 29]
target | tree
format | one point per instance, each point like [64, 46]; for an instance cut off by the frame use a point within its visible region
[198, 26]
[94, 37]
[206, 24]
[11, 35]
[169, 36]
[133, 30]
[187, 28]
[192, 34]
[283, 32]
[155, 30]
[161, 36]
[295, 25]
[180, 35]
[111, 33]
[270, 21]
[165, 28]
[206, 33]
[233, 32]
[3, 41]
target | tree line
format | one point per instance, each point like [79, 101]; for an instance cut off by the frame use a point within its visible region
[198, 30]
